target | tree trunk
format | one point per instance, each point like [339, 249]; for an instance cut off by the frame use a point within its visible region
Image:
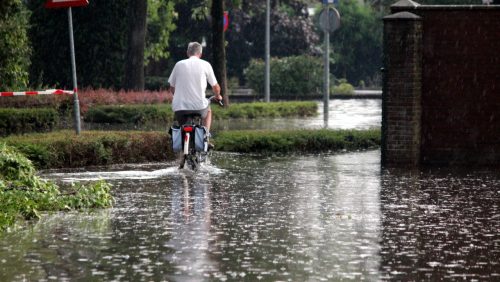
[219, 51]
[134, 61]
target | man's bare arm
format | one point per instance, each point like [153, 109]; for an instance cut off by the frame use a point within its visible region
[216, 89]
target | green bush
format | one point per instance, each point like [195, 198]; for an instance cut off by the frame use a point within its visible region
[15, 49]
[342, 88]
[156, 83]
[137, 114]
[16, 121]
[66, 149]
[143, 114]
[260, 110]
[296, 140]
[23, 194]
[291, 77]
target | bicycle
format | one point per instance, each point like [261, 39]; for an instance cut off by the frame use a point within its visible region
[191, 139]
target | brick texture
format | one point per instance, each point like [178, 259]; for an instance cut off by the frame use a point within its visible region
[459, 91]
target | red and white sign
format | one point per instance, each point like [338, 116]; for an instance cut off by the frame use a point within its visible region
[29, 93]
[226, 20]
[50, 4]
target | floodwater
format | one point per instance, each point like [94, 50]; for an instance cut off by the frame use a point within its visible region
[342, 114]
[325, 217]
[315, 217]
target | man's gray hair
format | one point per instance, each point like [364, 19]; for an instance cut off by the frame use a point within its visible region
[194, 48]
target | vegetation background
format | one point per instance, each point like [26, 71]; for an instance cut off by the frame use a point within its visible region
[34, 49]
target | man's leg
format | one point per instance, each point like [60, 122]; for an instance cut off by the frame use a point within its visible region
[207, 121]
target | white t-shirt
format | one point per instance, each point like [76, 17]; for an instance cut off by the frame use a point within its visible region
[189, 77]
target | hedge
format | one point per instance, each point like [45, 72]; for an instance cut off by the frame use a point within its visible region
[261, 109]
[141, 114]
[136, 114]
[66, 149]
[16, 121]
[297, 140]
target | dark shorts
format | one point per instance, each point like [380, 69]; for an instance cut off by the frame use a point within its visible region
[180, 116]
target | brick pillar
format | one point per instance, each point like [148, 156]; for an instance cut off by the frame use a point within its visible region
[402, 90]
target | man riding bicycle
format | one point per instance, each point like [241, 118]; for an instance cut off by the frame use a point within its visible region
[188, 82]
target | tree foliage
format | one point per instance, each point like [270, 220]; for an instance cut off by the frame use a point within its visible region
[193, 24]
[100, 33]
[292, 77]
[292, 32]
[160, 25]
[357, 45]
[15, 49]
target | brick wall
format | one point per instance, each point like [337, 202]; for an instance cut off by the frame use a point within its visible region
[460, 84]
[401, 98]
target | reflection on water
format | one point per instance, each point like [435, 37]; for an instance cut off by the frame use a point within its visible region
[294, 218]
[343, 114]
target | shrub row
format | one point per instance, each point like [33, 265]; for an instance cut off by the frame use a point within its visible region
[66, 149]
[136, 114]
[23, 194]
[88, 98]
[16, 121]
[260, 109]
[297, 140]
[140, 114]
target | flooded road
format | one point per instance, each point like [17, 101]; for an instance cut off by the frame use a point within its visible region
[343, 114]
[269, 218]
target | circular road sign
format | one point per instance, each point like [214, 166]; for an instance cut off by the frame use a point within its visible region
[329, 19]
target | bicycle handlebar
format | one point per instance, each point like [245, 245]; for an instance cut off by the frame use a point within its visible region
[220, 102]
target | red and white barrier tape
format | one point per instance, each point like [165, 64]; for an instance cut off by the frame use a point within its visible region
[45, 92]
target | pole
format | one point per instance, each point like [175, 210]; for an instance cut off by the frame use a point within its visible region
[76, 103]
[267, 86]
[326, 80]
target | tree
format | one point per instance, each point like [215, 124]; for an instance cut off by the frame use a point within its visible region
[15, 49]
[292, 32]
[160, 24]
[357, 44]
[100, 31]
[218, 44]
[134, 60]
[193, 24]
[101, 41]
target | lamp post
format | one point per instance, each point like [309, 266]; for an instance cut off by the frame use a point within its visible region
[267, 85]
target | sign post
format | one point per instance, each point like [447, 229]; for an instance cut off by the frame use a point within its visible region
[329, 20]
[50, 4]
